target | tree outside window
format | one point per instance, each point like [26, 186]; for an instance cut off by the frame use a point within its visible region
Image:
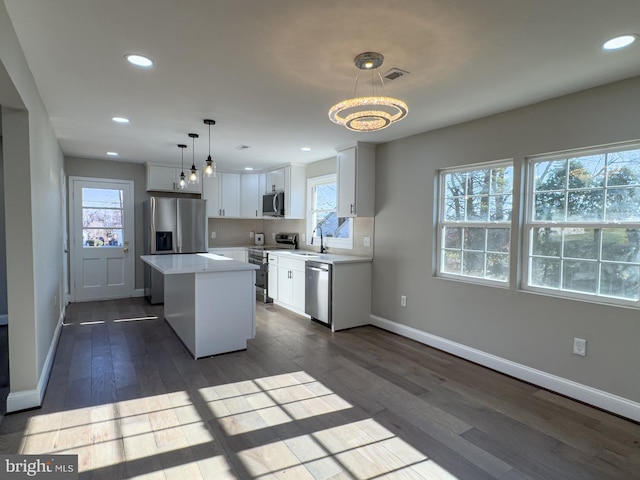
[584, 227]
[475, 223]
[323, 218]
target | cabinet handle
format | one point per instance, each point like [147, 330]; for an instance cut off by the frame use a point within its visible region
[219, 212]
[351, 208]
[224, 213]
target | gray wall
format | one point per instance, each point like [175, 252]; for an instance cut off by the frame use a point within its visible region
[3, 250]
[527, 328]
[85, 167]
[32, 163]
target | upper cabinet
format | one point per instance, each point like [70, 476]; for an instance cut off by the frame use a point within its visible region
[222, 194]
[162, 178]
[275, 180]
[356, 168]
[251, 190]
[295, 188]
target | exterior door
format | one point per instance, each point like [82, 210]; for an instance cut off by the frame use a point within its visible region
[102, 232]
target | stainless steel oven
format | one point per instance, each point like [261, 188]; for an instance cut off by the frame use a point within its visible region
[258, 256]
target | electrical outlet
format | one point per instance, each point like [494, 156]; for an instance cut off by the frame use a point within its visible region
[367, 241]
[213, 234]
[580, 346]
[403, 300]
[251, 234]
[303, 238]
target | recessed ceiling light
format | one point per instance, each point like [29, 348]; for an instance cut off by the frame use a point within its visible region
[248, 169]
[139, 60]
[306, 149]
[619, 42]
[112, 154]
[120, 119]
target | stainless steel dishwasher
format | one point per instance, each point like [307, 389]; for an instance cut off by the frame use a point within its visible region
[318, 291]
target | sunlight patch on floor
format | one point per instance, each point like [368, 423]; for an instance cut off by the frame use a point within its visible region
[297, 403]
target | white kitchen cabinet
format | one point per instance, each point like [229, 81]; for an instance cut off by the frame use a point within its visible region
[237, 253]
[222, 193]
[291, 283]
[292, 180]
[252, 189]
[272, 287]
[356, 168]
[163, 178]
[275, 180]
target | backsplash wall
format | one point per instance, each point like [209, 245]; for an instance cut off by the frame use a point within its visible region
[236, 233]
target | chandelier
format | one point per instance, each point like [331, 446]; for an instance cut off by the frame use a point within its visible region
[368, 114]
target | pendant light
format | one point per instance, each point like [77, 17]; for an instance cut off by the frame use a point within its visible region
[193, 172]
[368, 113]
[209, 167]
[182, 182]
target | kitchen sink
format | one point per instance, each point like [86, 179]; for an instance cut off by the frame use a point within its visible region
[301, 254]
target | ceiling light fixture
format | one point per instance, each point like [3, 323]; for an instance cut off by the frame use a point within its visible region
[120, 119]
[305, 149]
[182, 182]
[368, 114]
[112, 154]
[193, 171]
[209, 167]
[619, 42]
[139, 60]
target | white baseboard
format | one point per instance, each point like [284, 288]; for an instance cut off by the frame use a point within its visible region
[4, 319]
[584, 393]
[25, 399]
[138, 292]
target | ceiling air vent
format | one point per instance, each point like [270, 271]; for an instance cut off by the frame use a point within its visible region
[394, 74]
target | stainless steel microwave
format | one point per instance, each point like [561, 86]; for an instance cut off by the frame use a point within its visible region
[273, 204]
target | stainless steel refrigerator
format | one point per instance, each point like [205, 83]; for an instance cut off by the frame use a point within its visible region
[172, 226]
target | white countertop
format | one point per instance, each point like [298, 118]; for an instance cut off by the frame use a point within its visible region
[331, 258]
[195, 263]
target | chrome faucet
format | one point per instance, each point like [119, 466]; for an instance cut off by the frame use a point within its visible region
[322, 249]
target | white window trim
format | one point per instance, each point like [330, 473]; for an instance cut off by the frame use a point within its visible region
[529, 223]
[440, 223]
[344, 243]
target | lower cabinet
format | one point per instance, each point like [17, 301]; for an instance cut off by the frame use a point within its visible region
[286, 282]
[239, 254]
[350, 285]
[291, 283]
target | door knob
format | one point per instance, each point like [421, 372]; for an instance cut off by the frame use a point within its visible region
[125, 250]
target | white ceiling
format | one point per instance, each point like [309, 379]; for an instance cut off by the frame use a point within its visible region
[269, 70]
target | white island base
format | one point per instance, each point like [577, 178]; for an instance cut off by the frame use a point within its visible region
[211, 311]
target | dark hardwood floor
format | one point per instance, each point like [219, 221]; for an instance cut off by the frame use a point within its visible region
[301, 403]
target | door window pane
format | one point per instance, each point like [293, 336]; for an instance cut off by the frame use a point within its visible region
[102, 217]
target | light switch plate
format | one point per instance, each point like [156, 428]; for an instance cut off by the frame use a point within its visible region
[367, 241]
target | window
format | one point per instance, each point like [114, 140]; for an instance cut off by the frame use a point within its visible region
[322, 199]
[583, 227]
[102, 217]
[475, 223]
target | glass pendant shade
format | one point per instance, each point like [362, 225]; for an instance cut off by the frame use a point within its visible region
[182, 183]
[193, 171]
[209, 167]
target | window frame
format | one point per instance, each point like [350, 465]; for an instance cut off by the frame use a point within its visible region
[441, 223]
[529, 224]
[329, 242]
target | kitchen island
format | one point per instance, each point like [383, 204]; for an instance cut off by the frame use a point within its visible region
[209, 301]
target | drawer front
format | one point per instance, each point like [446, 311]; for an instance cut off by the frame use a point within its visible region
[292, 263]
